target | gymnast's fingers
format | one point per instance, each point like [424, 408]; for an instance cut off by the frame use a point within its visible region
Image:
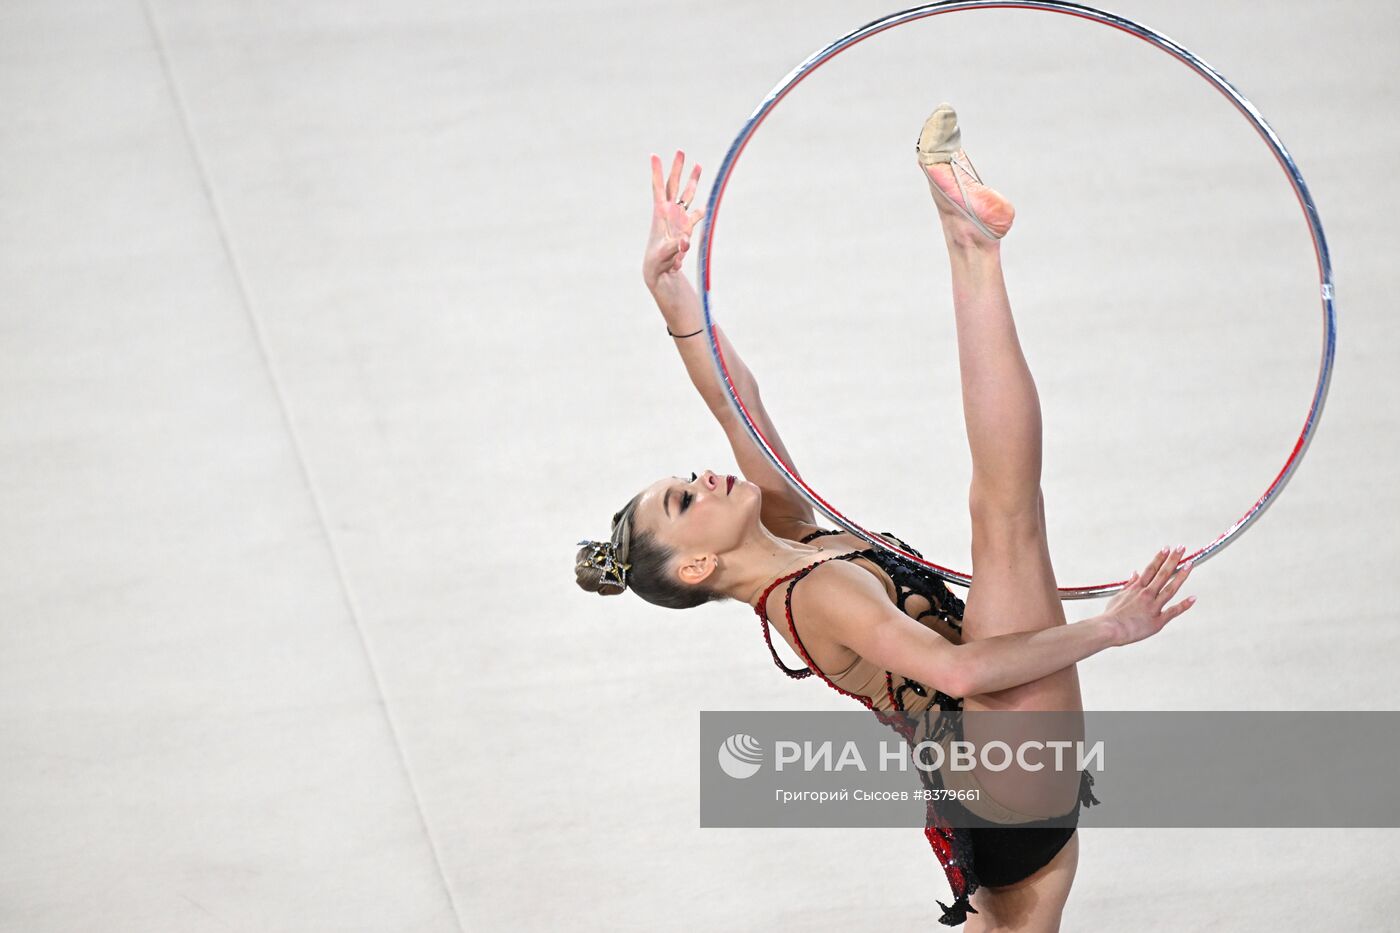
[1174, 583]
[1171, 612]
[690, 185]
[695, 216]
[658, 186]
[1164, 570]
[1150, 570]
[673, 183]
[1184, 570]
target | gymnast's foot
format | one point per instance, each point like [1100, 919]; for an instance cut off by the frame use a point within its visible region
[964, 202]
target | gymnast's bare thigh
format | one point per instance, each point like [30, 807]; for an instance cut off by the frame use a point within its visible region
[1013, 589]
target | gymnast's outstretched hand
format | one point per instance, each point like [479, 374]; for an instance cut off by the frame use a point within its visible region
[672, 221]
[1140, 609]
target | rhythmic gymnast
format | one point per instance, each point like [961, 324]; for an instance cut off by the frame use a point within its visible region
[877, 627]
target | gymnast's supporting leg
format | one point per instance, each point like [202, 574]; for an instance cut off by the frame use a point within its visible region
[1013, 586]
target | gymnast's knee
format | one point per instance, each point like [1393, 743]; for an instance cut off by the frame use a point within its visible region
[997, 511]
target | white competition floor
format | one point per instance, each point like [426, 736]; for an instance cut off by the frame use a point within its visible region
[322, 340]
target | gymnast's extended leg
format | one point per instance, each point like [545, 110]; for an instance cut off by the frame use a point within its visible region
[1013, 586]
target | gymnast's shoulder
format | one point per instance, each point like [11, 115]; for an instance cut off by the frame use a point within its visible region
[844, 606]
[838, 597]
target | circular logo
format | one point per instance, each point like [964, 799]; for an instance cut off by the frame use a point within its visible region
[740, 756]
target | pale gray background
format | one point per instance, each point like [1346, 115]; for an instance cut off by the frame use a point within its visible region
[324, 341]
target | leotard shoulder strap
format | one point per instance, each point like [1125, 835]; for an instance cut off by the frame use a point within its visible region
[762, 610]
[893, 694]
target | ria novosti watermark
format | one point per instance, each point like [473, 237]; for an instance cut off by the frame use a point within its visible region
[741, 755]
[1150, 769]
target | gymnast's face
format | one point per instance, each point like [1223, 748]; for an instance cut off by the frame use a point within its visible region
[700, 517]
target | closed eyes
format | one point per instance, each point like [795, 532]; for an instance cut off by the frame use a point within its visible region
[687, 497]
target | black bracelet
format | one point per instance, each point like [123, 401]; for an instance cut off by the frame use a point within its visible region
[700, 331]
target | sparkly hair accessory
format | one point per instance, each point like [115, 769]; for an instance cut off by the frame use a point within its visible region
[610, 557]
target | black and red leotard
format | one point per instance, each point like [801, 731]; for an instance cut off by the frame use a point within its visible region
[970, 857]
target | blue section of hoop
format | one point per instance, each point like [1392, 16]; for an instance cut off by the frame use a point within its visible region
[1240, 102]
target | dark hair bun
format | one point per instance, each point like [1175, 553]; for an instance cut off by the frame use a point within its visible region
[591, 576]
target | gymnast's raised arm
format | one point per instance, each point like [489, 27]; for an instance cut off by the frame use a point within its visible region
[672, 225]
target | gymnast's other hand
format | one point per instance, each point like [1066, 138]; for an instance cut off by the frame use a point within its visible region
[672, 221]
[1140, 609]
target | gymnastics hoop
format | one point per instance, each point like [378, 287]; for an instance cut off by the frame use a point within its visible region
[1266, 132]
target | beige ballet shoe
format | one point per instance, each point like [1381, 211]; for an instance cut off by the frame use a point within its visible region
[941, 141]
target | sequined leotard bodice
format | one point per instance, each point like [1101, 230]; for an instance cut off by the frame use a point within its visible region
[876, 688]
[913, 709]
